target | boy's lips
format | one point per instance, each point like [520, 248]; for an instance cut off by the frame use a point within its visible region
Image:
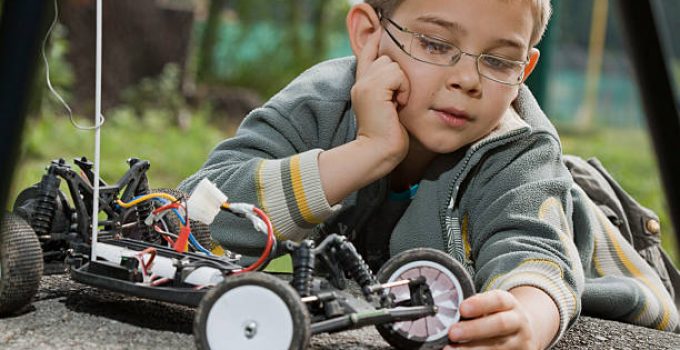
[453, 117]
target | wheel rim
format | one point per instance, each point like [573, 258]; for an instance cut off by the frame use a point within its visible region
[249, 317]
[446, 293]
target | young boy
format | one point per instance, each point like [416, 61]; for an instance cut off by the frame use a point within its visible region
[428, 138]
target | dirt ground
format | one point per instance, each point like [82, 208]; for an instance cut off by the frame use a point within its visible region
[68, 315]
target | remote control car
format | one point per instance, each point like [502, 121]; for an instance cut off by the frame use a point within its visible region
[155, 244]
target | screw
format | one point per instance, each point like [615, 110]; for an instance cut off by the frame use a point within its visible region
[250, 329]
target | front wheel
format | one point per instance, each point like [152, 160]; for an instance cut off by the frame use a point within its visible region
[21, 264]
[448, 282]
[252, 311]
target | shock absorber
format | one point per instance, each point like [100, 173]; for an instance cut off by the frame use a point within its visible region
[303, 267]
[41, 220]
[355, 265]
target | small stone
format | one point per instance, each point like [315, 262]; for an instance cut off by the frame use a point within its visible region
[8, 337]
[601, 338]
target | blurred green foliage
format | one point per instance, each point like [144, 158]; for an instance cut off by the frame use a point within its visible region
[264, 44]
[157, 95]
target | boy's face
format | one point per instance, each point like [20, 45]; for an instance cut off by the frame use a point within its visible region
[452, 106]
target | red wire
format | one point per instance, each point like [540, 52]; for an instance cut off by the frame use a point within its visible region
[268, 246]
[173, 205]
[140, 257]
[162, 234]
[169, 240]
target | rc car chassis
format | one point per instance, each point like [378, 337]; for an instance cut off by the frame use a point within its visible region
[143, 250]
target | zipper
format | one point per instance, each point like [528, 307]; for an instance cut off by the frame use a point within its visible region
[454, 187]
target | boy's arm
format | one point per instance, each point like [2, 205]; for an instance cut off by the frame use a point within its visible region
[272, 161]
[518, 222]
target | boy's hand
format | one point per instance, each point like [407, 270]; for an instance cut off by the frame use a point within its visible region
[500, 320]
[380, 90]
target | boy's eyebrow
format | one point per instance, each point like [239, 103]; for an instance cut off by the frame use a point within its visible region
[509, 42]
[455, 27]
[451, 26]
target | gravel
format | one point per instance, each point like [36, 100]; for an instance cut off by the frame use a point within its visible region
[68, 315]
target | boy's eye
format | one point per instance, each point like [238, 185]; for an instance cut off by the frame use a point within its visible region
[432, 46]
[498, 64]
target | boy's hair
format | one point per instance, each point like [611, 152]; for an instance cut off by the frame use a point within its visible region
[540, 9]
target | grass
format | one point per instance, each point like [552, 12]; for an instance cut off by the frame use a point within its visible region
[176, 153]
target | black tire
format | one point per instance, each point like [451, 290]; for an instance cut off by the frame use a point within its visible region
[21, 264]
[448, 281]
[252, 311]
[200, 230]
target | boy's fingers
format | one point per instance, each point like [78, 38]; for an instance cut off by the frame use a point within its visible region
[500, 324]
[486, 303]
[369, 53]
[403, 92]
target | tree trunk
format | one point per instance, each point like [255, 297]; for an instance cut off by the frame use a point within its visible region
[139, 39]
[206, 52]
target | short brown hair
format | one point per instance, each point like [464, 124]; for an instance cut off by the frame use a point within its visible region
[540, 9]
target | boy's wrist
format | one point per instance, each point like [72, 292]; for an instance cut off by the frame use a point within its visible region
[385, 156]
[542, 313]
[351, 166]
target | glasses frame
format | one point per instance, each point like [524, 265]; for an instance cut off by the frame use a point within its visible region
[477, 57]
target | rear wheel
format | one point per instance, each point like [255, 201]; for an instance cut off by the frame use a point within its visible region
[448, 282]
[21, 264]
[252, 311]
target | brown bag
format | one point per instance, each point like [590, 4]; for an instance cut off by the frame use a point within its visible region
[639, 225]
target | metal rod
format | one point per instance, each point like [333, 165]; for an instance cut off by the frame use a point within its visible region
[97, 132]
[374, 288]
[389, 285]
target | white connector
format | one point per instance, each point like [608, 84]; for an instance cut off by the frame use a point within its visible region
[247, 210]
[205, 201]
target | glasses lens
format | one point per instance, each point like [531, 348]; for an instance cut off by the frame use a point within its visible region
[500, 69]
[431, 50]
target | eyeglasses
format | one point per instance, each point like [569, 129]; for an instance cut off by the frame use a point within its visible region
[431, 50]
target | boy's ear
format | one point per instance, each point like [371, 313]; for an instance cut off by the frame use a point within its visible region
[362, 21]
[534, 54]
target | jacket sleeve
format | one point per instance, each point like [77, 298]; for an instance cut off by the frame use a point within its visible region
[517, 224]
[272, 162]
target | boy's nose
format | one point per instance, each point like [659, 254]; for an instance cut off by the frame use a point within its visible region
[464, 75]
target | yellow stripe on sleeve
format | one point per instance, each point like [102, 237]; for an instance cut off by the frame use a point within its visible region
[298, 190]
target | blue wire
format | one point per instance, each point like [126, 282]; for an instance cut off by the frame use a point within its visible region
[198, 246]
[192, 238]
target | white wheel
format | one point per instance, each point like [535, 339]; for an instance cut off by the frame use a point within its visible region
[252, 311]
[449, 285]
